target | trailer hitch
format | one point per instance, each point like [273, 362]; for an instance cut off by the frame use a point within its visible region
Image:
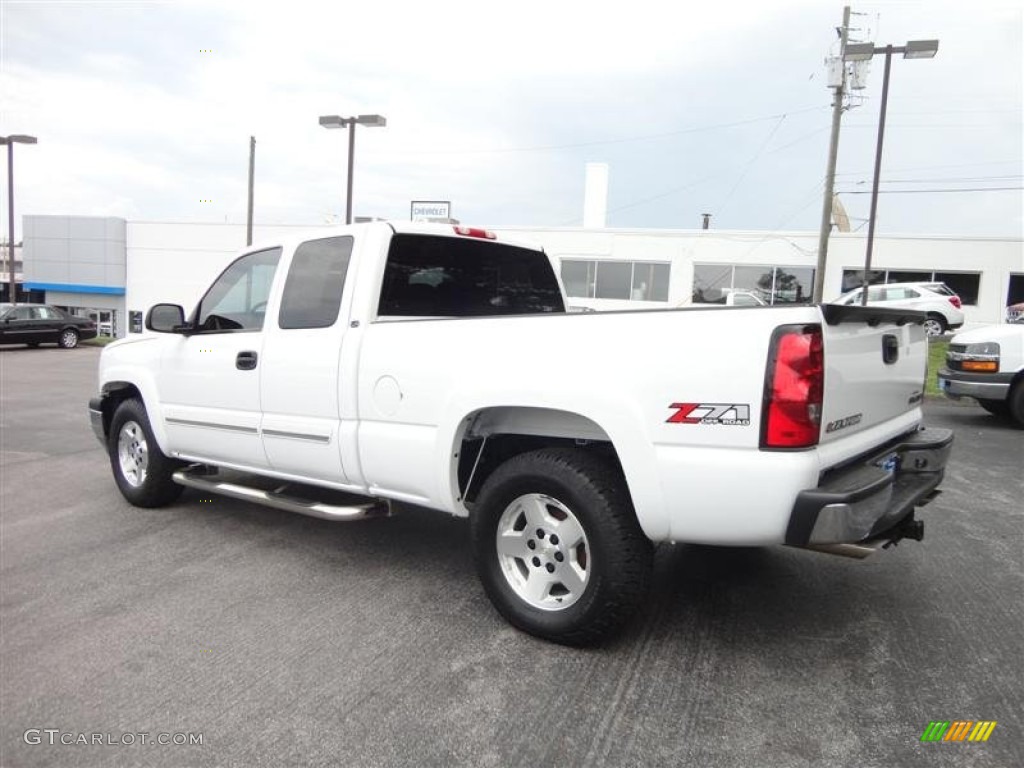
[907, 528]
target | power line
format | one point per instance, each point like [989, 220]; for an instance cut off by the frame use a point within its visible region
[1015, 162]
[750, 164]
[930, 181]
[709, 177]
[929, 191]
[576, 145]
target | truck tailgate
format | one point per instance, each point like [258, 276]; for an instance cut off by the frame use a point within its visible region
[875, 363]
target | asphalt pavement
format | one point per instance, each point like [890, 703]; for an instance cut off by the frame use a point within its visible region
[281, 640]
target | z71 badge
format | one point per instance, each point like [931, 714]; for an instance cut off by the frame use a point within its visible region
[727, 414]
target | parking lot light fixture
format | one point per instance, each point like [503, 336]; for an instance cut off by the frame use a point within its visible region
[336, 121]
[10, 141]
[915, 49]
[921, 49]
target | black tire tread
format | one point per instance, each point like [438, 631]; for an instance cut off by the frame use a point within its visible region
[942, 322]
[159, 489]
[60, 340]
[1015, 403]
[625, 579]
[999, 408]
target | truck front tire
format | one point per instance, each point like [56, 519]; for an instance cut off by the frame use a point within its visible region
[1015, 404]
[1000, 408]
[558, 546]
[141, 470]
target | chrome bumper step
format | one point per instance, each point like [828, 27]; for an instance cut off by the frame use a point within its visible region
[312, 501]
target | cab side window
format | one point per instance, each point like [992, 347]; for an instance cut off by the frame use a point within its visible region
[316, 280]
[237, 300]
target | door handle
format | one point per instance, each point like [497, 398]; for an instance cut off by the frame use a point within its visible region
[890, 349]
[245, 361]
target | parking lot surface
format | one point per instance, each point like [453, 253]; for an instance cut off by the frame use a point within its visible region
[284, 640]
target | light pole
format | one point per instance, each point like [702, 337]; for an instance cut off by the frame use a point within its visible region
[334, 121]
[915, 49]
[10, 141]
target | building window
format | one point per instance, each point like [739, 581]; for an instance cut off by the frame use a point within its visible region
[1015, 291]
[607, 279]
[614, 280]
[712, 283]
[964, 284]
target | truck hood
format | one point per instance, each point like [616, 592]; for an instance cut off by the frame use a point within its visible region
[997, 333]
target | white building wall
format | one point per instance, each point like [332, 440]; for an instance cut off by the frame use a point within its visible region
[176, 262]
[994, 258]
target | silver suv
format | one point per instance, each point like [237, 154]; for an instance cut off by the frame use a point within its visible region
[942, 305]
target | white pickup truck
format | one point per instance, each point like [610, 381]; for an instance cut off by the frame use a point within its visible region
[334, 374]
[987, 364]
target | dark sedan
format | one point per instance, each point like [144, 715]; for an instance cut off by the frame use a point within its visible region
[36, 324]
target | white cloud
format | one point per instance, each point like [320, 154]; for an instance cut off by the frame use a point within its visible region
[132, 112]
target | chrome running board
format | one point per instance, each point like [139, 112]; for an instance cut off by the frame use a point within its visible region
[323, 503]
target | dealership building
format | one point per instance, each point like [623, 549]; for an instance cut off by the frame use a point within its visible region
[114, 270]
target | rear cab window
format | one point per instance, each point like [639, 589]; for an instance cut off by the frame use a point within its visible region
[440, 276]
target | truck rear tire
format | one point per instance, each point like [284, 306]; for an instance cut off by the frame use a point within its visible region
[141, 470]
[558, 546]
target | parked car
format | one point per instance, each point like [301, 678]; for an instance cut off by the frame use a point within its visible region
[988, 365]
[36, 324]
[942, 305]
[731, 298]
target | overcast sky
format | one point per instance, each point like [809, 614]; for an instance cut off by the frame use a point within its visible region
[144, 111]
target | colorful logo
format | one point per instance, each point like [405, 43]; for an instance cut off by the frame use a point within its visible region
[730, 414]
[958, 730]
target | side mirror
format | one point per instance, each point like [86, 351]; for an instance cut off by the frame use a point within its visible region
[166, 318]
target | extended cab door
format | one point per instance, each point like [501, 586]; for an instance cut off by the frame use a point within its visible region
[210, 380]
[301, 377]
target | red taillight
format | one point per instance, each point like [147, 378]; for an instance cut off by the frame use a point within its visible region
[955, 301]
[794, 388]
[475, 232]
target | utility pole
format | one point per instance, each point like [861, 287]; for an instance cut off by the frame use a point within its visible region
[252, 169]
[830, 173]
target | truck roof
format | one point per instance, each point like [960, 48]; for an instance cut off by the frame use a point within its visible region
[396, 226]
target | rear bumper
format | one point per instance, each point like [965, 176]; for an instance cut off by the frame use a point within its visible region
[864, 499]
[986, 386]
